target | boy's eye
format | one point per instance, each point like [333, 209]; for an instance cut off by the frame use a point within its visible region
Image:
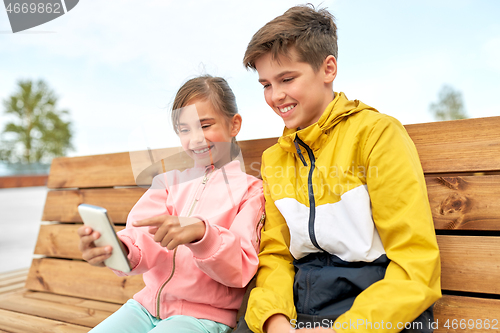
[205, 126]
[266, 85]
[183, 130]
[288, 79]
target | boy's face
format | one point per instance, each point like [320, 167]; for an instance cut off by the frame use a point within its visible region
[295, 92]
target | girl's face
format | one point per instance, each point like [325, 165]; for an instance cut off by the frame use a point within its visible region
[205, 134]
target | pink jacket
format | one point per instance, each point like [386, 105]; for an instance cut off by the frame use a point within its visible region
[210, 276]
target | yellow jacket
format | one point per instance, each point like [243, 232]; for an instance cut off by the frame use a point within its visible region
[369, 199]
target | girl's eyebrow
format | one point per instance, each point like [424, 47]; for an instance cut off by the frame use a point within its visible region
[206, 119]
[200, 120]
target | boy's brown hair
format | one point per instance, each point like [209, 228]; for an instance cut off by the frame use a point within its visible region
[312, 33]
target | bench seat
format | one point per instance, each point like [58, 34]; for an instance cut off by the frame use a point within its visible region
[461, 161]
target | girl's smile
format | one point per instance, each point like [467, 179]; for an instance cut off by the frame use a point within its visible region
[205, 135]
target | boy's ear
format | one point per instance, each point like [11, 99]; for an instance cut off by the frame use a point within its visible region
[330, 68]
[236, 125]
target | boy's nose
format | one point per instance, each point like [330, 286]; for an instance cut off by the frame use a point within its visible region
[278, 95]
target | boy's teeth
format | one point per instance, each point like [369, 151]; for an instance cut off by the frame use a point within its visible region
[288, 108]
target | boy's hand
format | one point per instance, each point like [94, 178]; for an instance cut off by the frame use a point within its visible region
[278, 323]
[171, 231]
[90, 253]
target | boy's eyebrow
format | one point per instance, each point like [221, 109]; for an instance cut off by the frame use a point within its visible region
[279, 75]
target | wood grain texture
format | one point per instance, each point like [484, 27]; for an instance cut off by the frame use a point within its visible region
[64, 312]
[470, 263]
[465, 203]
[62, 206]
[78, 278]
[469, 145]
[22, 323]
[91, 171]
[117, 169]
[60, 240]
[466, 145]
[76, 301]
[468, 311]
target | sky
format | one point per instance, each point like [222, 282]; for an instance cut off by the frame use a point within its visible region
[116, 65]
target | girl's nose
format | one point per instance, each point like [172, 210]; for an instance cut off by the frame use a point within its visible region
[197, 138]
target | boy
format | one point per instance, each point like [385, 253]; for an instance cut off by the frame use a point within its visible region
[348, 242]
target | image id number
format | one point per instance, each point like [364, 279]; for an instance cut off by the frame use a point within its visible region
[34, 8]
[471, 324]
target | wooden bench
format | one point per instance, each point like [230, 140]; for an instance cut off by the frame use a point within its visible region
[461, 160]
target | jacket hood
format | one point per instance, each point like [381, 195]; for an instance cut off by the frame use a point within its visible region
[315, 135]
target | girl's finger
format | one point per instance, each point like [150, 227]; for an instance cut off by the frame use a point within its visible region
[97, 254]
[151, 222]
[84, 231]
[86, 242]
[161, 232]
[153, 230]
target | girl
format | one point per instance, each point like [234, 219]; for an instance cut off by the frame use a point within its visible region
[208, 215]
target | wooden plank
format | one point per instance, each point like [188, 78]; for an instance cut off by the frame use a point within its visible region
[12, 287]
[76, 301]
[91, 171]
[116, 169]
[23, 181]
[78, 278]
[468, 202]
[470, 263]
[62, 206]
[67, 313]
[60, 240]
[16, 273]
[12, 281]
[466, 145]
[22, 323]
[472, 313]
[450, 146]
[465, 203]
[252, 153]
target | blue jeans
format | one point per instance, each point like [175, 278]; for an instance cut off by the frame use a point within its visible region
[132, 317]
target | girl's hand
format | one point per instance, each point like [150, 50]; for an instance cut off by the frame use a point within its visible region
[90, 253]
[171, 231]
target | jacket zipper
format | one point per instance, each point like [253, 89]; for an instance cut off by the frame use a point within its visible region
[195, 201]
[312, 201]
[308, 290]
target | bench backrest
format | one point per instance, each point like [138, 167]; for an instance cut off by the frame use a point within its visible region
[461, 161]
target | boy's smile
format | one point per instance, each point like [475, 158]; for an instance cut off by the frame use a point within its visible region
[296, 92]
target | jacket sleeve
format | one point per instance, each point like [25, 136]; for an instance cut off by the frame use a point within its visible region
[230, 255]
[273, 293]
[152, 203]
[403, 219]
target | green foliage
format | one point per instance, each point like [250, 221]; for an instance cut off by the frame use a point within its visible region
[37, 131]
[450, 105]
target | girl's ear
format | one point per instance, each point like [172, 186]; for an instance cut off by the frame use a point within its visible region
[235, 125]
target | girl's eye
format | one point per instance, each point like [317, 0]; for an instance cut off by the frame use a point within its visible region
[183, 130]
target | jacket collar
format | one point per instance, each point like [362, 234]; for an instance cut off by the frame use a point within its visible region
[315, 135]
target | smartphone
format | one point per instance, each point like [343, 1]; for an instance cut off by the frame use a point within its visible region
[97, 218]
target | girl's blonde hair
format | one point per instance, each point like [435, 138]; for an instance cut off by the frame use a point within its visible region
[210, 88]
